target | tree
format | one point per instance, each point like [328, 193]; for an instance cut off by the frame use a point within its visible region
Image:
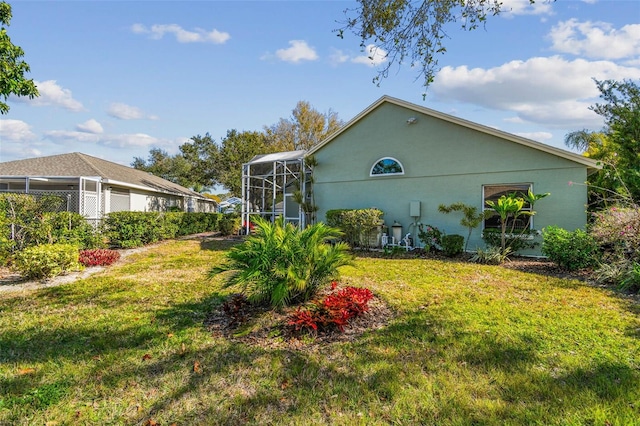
[617, 147]
[12, 67]
[172, 168]
[236, 149]
[306, 127]
[201, 154]
[413, 32]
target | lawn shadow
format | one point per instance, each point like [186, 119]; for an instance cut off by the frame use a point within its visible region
[77, 342]
[219, 243]
[418, 347]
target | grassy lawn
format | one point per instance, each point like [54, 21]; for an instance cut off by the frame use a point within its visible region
[469, 345]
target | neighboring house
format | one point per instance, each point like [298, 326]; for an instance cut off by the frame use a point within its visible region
[229, 205]
[94, 187]
[406, 160]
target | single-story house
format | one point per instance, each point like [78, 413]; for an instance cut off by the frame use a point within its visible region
[94, 187]
[229, 205]
[406, 160]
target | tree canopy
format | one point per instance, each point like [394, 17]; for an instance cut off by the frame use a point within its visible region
[305, 128]
[198, 154]
[12, 67]
[159, 163]
[413, 32]
[617, 146]
[193, 167]
[203, 163]
[236, 149]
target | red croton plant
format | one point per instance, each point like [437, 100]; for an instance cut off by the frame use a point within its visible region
[98, 257]
[335, 310]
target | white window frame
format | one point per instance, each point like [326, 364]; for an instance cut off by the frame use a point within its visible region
[371, 174]
[529, 186]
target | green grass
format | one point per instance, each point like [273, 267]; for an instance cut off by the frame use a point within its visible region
[469, 345]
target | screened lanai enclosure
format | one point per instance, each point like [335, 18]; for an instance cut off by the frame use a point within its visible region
[77, 194]
[275, 185]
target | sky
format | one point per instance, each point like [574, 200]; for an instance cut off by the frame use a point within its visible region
[117, 79]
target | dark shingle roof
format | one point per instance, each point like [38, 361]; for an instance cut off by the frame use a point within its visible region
[77, 164]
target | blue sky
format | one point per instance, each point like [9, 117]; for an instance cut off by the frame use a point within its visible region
[119, 78]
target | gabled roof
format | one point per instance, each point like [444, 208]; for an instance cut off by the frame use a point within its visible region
[77, 164]
[591, 165]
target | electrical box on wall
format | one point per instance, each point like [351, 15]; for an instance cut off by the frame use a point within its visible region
[414, 209]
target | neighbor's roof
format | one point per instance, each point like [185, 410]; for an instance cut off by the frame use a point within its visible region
[77, 164]
[591, 165]
[278, 156]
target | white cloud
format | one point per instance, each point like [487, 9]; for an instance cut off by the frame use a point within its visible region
[510, 8]
[128, 112]
[114, 140]
[18, 141]
[52, 94]
[198, 35]
[15, 131]
[299, 51]
[18, 151]
[90, 126]
[550, 91]
[596, 39]
[338, 57]
[374, 56]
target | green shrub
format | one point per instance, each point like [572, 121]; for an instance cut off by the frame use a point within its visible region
[357, 225]
[623, 274]
[22, 212]
[6, 243]
[281, 264]
[431, 237]
[452, 245]
[229, 224]
[170, 225]
[631, 279]
[46, 260]
[571, 250]
[134, 229]
[177, 224]
[196, 223]
[65, 227]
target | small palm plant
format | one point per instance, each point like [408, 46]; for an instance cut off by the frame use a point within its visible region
[507, 207]
[471, 218]
[281, 264]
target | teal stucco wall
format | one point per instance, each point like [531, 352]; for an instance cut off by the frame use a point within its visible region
[444, 163]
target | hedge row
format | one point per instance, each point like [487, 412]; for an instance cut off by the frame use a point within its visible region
[54, 239]
[120, 229]
[134, 229]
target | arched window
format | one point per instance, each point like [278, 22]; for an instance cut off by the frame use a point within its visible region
[387, 166]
